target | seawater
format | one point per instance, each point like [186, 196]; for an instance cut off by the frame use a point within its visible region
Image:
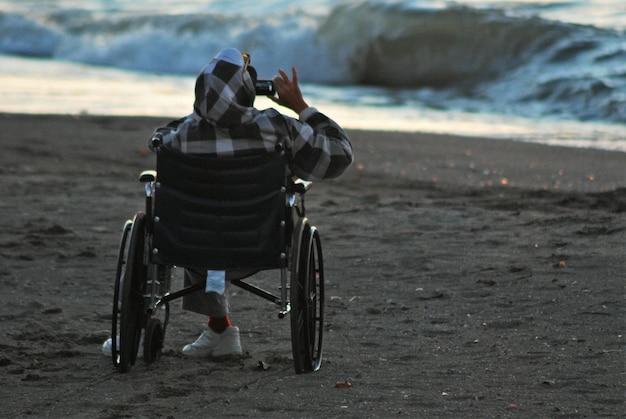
[551, 72]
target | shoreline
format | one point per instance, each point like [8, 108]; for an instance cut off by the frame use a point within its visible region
[427, 157]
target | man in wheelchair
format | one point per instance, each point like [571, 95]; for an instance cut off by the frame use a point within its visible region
[224, 122]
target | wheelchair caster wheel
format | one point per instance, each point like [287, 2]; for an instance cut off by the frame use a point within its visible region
[152, 341]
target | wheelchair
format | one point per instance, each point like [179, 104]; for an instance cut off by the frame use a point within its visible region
[239, 215]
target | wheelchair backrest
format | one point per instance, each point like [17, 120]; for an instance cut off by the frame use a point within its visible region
[220, 213]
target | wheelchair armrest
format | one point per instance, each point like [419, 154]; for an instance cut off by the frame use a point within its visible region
[301, 186]
[148, 176]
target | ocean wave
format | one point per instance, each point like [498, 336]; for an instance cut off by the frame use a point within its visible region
[400, 46]
[480, 54]
[20, 35]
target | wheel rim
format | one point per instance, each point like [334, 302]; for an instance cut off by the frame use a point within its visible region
[119, 274]
[315, 297]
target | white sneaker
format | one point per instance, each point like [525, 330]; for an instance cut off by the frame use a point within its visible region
[215, 344]
[106, 346]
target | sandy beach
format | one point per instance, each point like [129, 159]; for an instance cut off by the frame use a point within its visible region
[465, 277]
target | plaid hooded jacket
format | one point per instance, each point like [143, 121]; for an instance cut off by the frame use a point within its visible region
[224, 122]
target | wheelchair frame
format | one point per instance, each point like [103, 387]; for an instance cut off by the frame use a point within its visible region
[142, 287]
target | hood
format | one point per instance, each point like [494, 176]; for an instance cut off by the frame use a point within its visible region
[224, 92]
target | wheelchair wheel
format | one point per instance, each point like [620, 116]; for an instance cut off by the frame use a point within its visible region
[152, 341]
[119, 274]
[307, 301]
[128, 311]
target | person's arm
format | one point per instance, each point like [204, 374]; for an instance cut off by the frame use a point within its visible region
[288, 91]
[320, 148]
